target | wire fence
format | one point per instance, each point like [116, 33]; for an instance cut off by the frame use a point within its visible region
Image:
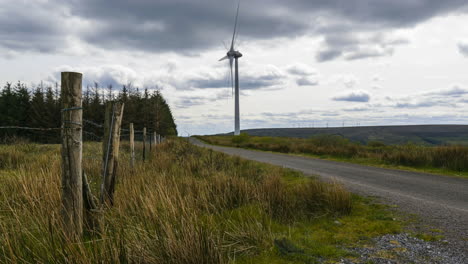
[92, 131]
[31, 128]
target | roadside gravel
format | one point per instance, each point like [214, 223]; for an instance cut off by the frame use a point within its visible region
[404, 248]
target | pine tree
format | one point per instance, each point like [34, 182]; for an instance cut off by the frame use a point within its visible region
[41, 108]
[22, 104]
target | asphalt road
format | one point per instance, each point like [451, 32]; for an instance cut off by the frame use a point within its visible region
[441, 201]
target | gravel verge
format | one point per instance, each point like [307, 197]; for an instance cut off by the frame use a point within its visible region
[404, 248]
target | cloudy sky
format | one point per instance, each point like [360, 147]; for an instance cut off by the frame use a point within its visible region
[306, 62]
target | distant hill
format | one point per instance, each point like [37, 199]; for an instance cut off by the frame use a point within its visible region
[419, 134]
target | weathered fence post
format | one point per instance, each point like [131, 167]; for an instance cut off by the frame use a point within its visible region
[144, 143]
[159, 138]
[132, 145]
[155, 138]
[111, 143]
[72, 155]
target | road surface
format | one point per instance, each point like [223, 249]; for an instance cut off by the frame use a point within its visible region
[441, 201]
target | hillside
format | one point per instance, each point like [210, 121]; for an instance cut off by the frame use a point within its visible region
[419, 134]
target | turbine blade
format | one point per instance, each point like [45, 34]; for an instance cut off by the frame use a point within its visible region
[235, 27]
[231, 60]
[224, 58]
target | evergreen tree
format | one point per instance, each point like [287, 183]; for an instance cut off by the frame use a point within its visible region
[41, 108]
[22, 103]
[7, 102]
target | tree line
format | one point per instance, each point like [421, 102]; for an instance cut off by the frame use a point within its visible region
[40, 107]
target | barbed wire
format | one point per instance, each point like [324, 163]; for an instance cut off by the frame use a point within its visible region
[92, 123]
[31, 128]
[59, 128]
[92, 134]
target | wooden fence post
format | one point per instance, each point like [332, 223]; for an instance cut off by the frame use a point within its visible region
[144, 143]
[155, 138]
[111, 143]
[132, 145]
[72, 155]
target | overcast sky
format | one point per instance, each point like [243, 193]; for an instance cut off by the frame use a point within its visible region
[306, 62]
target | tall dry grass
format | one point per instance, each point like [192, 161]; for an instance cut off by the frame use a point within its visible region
[184, 205]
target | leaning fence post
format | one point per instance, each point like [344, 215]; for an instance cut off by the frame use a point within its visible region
[132, 146]
[144, 143]
[72, 155]
[111, 143]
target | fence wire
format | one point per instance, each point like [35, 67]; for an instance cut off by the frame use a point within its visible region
[89, 133]
[31, 128]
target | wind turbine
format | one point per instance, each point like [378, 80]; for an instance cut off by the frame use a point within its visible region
[233, 56]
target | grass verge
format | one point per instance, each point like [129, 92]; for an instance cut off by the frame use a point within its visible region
[442, 160]
[183, 205]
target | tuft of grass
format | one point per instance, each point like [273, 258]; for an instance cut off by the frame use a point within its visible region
[183, 205]
[429, 237]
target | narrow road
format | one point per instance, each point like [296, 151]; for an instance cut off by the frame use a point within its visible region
[439, 200]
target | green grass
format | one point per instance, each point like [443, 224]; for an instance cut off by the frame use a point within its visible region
[444, 160]
[429, 237]
[327, 236]
[184, 205]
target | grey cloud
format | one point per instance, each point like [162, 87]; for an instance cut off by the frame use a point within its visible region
[368, 53]
[305, 75]
[441, 98]
[386, 13]
[305, 81]
[463, 48]
[455, 91]
[301, 70]
[209, 82]
[29, 26]
[217, 117]
[189, 101]
[253, 80]
[260, 82]
[187, 26]
[115, 75]
[327, 55]
[330, 114]
[184, 24]
[423, 103]
[358, 96]
[353, 46]
[358, 109]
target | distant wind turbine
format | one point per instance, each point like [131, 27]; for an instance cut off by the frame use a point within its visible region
[233, 55]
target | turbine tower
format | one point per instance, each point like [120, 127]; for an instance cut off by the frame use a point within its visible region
[233, 56]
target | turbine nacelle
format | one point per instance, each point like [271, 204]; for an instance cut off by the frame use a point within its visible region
[234, 54]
